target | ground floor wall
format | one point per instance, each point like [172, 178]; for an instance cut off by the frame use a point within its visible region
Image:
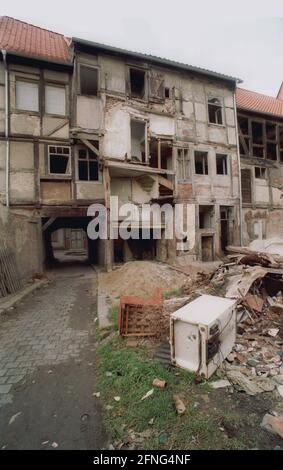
[262, 224]
[20, 230]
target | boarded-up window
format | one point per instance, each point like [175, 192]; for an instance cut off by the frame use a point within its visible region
[246, 185]
[156, 86]
[27, 96]
[55, 100]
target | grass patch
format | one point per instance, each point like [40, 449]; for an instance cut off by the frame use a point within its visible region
[173, 293]
[132, 374]
[113, 316]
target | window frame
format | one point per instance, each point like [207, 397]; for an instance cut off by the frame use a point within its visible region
[140, 69]
[261, 168]
[28, 80]
[89, 66]
[222, 155]
[68, 174]
[207, 158]
[56, 85]
[210, 97]
[185, 163]
[78, 180]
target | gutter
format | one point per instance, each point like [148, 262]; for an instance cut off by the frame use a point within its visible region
[7, 185]
[239, 169]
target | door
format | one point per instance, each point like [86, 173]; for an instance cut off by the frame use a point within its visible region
[246, 180]
[77, 239]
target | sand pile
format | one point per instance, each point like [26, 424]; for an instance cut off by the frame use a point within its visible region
[141, 278]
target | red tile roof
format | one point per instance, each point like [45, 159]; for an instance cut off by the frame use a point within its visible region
[252, 101]
[17, 36]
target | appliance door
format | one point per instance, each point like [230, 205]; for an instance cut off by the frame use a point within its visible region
[185, 345]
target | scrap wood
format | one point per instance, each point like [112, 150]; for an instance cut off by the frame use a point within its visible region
[254, 302]
[240, 284]
[244, 250]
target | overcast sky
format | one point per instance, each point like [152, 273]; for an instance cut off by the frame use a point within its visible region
[238, 38]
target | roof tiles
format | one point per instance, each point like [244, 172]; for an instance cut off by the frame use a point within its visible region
[252, 101]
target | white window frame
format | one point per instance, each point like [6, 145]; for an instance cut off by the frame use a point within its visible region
[31, 82]
[203, 166]
[211, 97]
[55, 85]
[68, 172]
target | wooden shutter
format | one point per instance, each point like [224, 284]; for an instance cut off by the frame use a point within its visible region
[246, 178]
[156, 86]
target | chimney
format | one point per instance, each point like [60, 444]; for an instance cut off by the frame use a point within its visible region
[280, 93]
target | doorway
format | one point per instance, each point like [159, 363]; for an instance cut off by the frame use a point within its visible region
[226, 227]
[207, 250]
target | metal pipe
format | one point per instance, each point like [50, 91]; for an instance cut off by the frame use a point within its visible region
[7, 189]
[239, 170]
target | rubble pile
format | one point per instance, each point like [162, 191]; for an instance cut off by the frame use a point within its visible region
[256, 281]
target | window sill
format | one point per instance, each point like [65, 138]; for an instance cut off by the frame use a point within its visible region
[55, 177]
[213, 124]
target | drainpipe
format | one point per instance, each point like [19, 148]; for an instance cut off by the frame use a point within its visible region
[4, 54]
[239, 169]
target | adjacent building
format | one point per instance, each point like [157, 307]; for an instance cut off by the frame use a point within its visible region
[260, 124]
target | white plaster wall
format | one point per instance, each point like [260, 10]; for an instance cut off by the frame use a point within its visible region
[89, 112]
[162, 125]
[261, 193]
[116, 142]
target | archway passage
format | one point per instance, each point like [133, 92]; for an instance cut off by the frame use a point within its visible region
[66, 242]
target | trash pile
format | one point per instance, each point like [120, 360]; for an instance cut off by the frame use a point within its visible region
[256, 281]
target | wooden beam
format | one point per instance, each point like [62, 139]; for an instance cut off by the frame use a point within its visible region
[91, 147]
[48, 223]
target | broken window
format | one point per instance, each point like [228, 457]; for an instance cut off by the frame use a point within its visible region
[59, 160]
[215, 111]
[260, 172]
[206, 214]
[271, 131]
[27, 95]
[88, 164]
[257, 139]
[183, 164]
[137, 83]
[221, 164]
[138, 140]
[201, 163]
[271, 151]
[88, 80]
[55, 100]
[246, 182]
[166, 154]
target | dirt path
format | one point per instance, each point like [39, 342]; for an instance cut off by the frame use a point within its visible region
[47, 368]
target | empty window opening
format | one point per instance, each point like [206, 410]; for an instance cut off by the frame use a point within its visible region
[167, 92]
[221, 164]
[243, 123]
[258, 151]
[88, 164]
[183, 164]
[166, 155]
[55, 100]
[88, 80]
[215, 111]
[27, 96]
[271, 131]
[271, 151]
[137, 83]
[59, 160]
[206, 215]
[138, 141]
[226, 227]
[201, 163]
[260, 172]
[257, 132]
